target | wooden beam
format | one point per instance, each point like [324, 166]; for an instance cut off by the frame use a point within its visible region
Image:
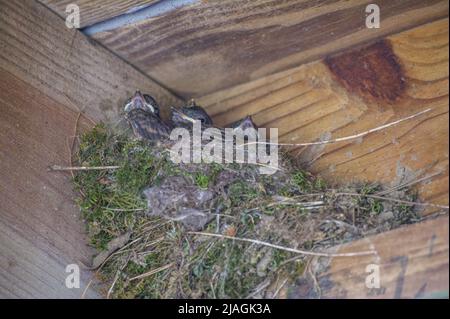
[412, 262]
[212, 45]
[351, 93]
[38, 48]
[94, 11]
[48, 74]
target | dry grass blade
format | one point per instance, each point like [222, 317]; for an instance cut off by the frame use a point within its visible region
[345, 138]
[393, 200]
[292, 250]
[409, 184]
[152, 272]
[81, 168]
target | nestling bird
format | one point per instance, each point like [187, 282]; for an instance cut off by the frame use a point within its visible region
[142, 112]
[187, 114]
[245, 123]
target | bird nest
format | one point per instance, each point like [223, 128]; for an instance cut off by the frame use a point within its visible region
[233, 234]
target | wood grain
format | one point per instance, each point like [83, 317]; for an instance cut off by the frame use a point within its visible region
[215, 44]
[412, 263]
[40, 228]
[36, 46]
[313, 102]
[48, 74]
[93, 11]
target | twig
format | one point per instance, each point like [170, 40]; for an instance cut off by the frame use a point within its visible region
[78, 109]
[152, 272]
[408, 184]
[124, 209]
[116, 277]
[393, 200]
[103, 263]
[314, 279]
[81, 168]
[75, 129]
[279, 289]
[345, 138]
[258, 289]
[305, 205]
[298, 251]
[433, 215]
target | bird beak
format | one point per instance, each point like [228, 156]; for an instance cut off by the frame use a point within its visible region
[137, 101]
[182, 115]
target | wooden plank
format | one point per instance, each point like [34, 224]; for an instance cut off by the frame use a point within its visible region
[212, 45]
[354, 92]
[47, 75]
[93, 11]
[412, 262]
[36, 46]
[40, 228]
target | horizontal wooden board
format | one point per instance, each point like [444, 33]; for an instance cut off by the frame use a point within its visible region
[93, 11]
[48, 75]
[412, 262]
[216, 44]
[351, 93]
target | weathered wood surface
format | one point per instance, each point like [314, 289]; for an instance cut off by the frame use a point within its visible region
[412, 260]
[93, 11]
[36, 46]
[352, 93]
[216, 44]
[47, 75]
[40, 227]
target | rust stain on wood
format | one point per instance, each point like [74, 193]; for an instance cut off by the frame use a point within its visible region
[373, 72]
[307, 103]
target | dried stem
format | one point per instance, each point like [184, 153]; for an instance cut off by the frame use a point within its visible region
[345, 138]
[293, 250]
[124, 209]
[393, 200]
[408, 184]
[152, 272]
[81, 168]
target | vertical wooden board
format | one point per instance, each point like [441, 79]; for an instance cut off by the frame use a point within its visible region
[412, 262]
[93, 11]
[40, 227]
[351, 93]
[48, 74]
[212, 45]
[37, 47]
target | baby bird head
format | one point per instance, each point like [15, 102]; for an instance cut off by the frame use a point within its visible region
[142, 102]
[189, 114]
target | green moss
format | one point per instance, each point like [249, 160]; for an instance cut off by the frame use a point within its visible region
[202, 180]
[320, 184]
[376, 206]
[301, 181]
